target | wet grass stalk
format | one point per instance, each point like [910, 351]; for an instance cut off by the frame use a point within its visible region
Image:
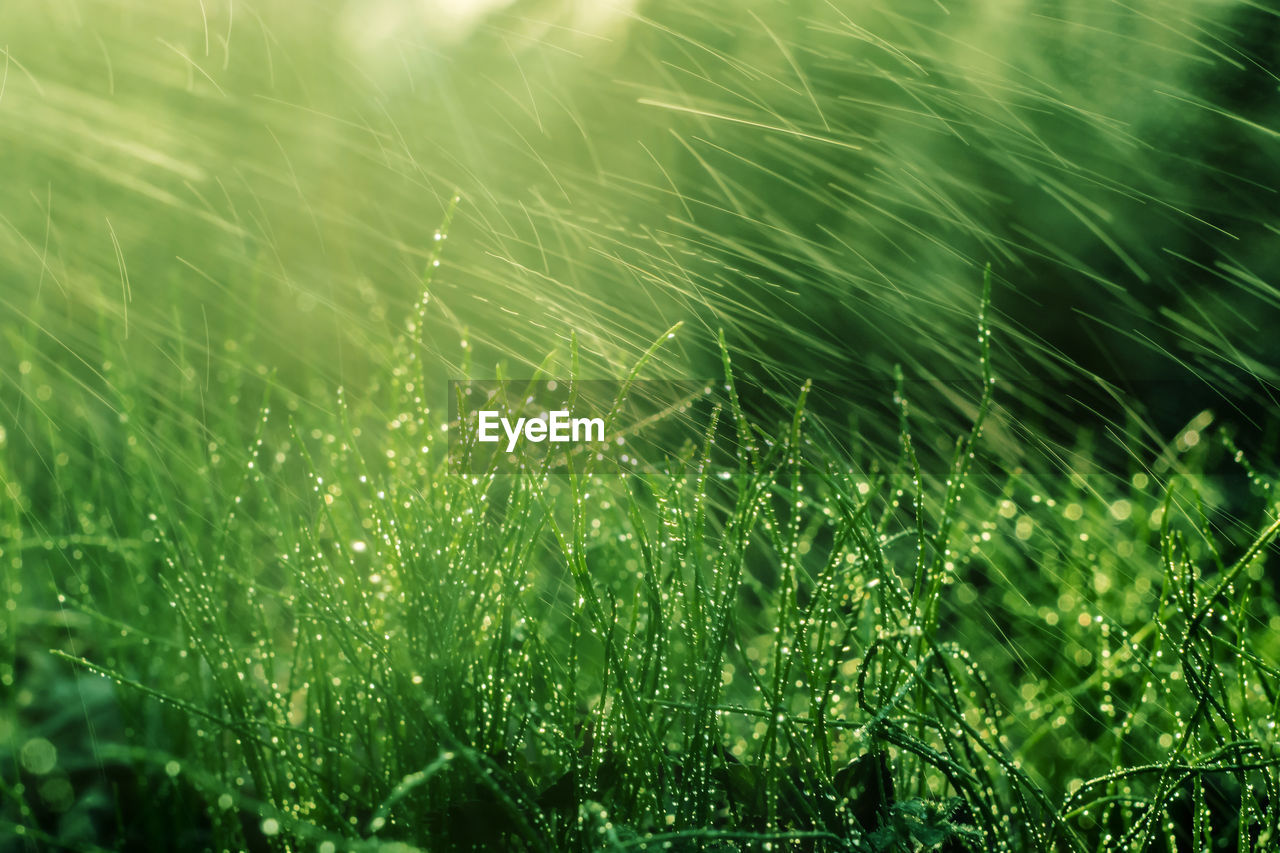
[769, 653]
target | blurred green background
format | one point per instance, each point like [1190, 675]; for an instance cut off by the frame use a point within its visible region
[823, 182]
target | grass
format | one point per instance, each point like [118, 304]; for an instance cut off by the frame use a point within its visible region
[814, 652]
[906, 588]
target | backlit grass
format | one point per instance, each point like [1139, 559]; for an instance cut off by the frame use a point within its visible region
[977, 552]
